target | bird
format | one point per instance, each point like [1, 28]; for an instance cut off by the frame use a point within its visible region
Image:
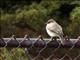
[54, 30]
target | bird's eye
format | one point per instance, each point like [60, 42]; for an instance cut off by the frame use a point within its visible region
[49, 21]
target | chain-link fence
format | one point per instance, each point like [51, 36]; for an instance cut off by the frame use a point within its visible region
[39, 49]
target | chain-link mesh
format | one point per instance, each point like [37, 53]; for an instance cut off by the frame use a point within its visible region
[39, 49]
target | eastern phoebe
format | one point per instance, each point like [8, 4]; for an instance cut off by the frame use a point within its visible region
[54, 29]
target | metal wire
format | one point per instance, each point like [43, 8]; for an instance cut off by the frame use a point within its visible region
[42, 49]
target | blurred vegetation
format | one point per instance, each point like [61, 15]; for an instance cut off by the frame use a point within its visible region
[12, 54]
[22, 17]
[29, 17]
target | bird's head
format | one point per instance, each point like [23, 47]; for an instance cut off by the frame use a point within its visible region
[50, 21]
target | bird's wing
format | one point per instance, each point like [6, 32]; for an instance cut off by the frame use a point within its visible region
[56, 28]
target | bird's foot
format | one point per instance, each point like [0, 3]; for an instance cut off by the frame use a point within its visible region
[53, 38]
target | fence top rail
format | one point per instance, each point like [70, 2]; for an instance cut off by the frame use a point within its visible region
[45, 39]
[38, 42]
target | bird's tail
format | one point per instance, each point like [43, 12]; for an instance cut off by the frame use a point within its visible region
[62, 40]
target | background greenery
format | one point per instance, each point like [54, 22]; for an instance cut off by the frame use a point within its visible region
[22, 17]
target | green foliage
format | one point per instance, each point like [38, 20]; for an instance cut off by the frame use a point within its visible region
[12, 54]
[32, 15]
[29, 17]
[74, 28]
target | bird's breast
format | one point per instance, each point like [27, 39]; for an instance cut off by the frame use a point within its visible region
[49, 27]
[50, 33]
